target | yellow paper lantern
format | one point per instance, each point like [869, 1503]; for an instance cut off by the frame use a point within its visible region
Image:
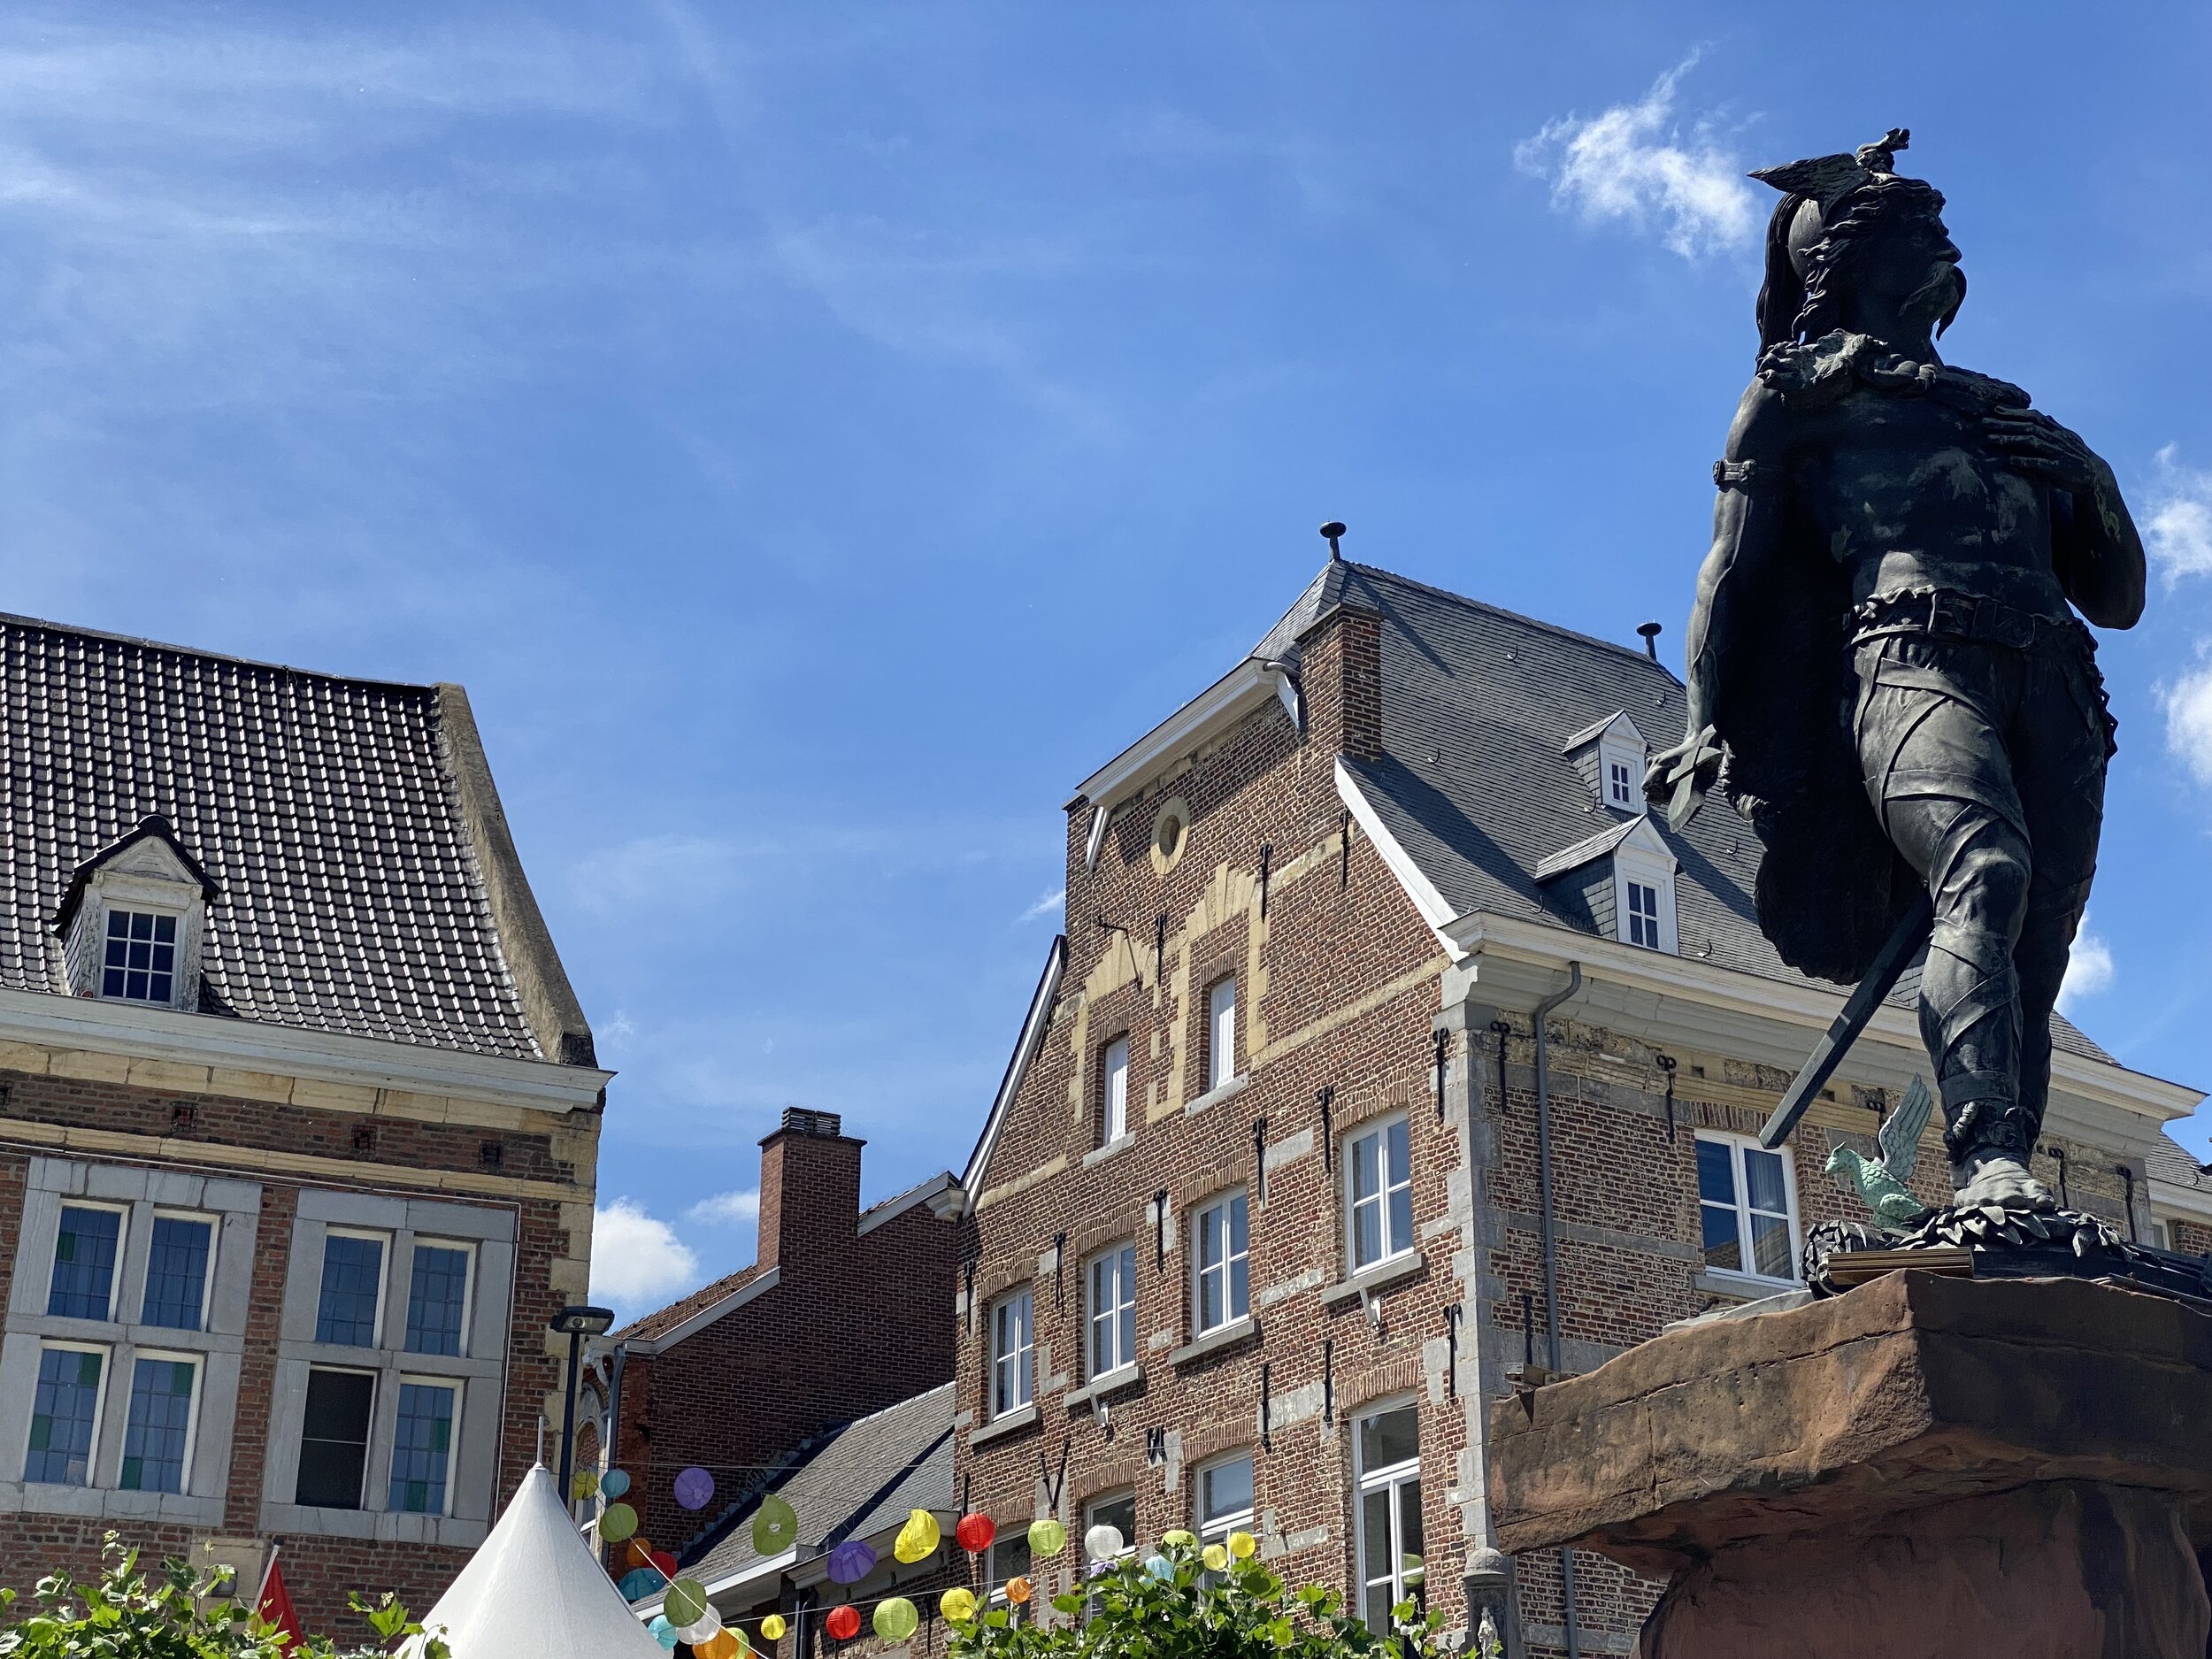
[957, 1606]
[772, 1627]
[1243, 1545]
[726, 1644]
[1178, 1539]
[896, 1618]
[916, 1540]
[1217, 1559]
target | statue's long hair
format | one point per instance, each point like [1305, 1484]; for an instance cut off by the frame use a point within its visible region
[1794, 305]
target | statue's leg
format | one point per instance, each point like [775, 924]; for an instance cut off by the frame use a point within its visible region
[1930, 722]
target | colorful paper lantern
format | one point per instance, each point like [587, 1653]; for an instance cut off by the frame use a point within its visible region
[1178, 1539]
[772, 1627]
[619, 1523]
[957, 1605]
[918, 1539]
[896, 1618]
[686, 1602]
[663, 1561]
[614, 1483]
[850, 1562]
[775, 1526]
[1102, 1542]
[843, 1623]
[1243, 1545]
[707, 1626]
[587, 1482]
[636, 1552]
[693, 1488]
[661, 1632]
[639, 1583]
[1018, 1591]
[724, 1644]
[1047, 1537]
[975, 1532]
[1160, 1568]
[1217, 1559]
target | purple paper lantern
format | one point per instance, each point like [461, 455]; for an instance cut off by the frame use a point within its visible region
[694, 1487]
[850, 1562]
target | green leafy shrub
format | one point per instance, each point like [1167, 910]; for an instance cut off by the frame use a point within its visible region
[128, 1614]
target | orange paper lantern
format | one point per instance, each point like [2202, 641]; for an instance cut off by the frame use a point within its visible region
[1018, 1591]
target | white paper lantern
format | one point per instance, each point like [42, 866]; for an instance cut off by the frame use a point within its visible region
[1102, 1542]
[706, 1630]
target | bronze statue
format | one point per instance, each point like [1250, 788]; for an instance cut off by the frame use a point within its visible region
[1884, 675]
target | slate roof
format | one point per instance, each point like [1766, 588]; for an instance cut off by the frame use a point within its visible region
[330, 812]
[852, 1482]
[661, 1321]
[2169, 1163]
[1478, 705]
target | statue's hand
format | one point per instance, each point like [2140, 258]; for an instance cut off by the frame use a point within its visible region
[1678, 778]
[2031, 442]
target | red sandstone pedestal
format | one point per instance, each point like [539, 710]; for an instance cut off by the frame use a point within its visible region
[1925, 1466]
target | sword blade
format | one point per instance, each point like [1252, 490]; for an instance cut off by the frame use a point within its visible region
[1897, 950]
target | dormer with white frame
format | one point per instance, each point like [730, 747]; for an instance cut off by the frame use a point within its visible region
[133, 921]
[1611, 755]
[1619, 882]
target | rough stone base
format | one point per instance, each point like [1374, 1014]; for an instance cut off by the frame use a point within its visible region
[2069, 1570]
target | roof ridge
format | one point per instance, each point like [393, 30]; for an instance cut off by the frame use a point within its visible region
[10, 617]
[1634, 654]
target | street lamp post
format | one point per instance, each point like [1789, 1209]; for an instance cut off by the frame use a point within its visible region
[575, 1323]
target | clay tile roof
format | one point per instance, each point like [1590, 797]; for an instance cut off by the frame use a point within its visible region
[349, 825]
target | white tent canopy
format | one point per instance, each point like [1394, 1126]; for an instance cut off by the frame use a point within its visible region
[533, 1591]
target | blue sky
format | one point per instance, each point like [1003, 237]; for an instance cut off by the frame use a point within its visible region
[818, 435]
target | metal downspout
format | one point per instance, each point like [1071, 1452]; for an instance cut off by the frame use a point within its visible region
[1551, 1254]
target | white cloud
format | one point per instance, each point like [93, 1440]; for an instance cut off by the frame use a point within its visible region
[1046, 905]
[726, 1209]
[2178, 531]
[2189, 720]
[637, 1258]
[1633, 163]
[2088, 970]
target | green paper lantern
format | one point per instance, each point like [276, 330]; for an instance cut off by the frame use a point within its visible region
[686, 1603]
[775, 1526]
[619, 1523]
[896, 1619]
[1047, 1537]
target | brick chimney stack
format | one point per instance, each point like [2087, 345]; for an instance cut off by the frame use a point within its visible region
[810, 1188]
[1342, 678]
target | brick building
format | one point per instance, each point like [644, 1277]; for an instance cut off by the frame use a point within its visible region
[299, 1122]
[1268, 1210]
[840, 1316]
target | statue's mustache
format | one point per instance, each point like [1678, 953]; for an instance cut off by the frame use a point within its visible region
[1939, 296]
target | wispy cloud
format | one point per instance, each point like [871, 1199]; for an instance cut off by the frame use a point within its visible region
[2178, 532]
[636, 1258]
[2089, 970]
[1046, 905]
[2188, 705]
[1635, 164]
[726, 1209]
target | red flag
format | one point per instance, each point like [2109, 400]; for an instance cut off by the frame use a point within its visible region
[274, 1605]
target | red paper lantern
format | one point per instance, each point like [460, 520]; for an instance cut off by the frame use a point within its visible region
[843, 1623]
[665, 1562]
[975, 1532]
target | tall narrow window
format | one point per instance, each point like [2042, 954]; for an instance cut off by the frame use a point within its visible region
[1746, 1205]
[422, 1444]
[1118, 1510]
[1221, 1033]
[1008, 1559]
[177, 1258]
[1224, 1497]
[1643, 915]
[1390, 1549]
[1378, 1171]
[437, 1299]
[158, 1437]
[353, 1289]
[1113, 1309]
[64, 1416]
[1013, 1353]
[83, 1285]
[1224, 1289]
[1114, 1112]
[335, 1437]
[140, 964]
[1620, 789]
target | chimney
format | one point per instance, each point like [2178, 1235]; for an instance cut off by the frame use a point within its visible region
[1340, 677]
[810, 1188]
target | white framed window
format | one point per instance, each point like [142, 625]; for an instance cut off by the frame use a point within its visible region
[1008, 1558]
[1388, 1452]
[1747, 1208]
[88, 1257]
[438, 1296]
[1620, 787]
[1621, 761]
[65, 1414]
[1221, 1291]
[1643, 914]
[1116, 1509]
[1221, 1033]
[424, 1432]
[350, 1312]
[1224, 1496]
[335, 1437]
[1112, 1287]
[179, 1270]
[138, 961]
[1113, 1118]
[1013, 1353]
[1378, 1192]
[1643, 896]
[163, 1413]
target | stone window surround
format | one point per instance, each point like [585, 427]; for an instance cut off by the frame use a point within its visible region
[480, 1370]
[142, 1192]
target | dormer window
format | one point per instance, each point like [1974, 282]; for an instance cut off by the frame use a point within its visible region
[1611, 753]
[133, 919]
[1619, 883]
